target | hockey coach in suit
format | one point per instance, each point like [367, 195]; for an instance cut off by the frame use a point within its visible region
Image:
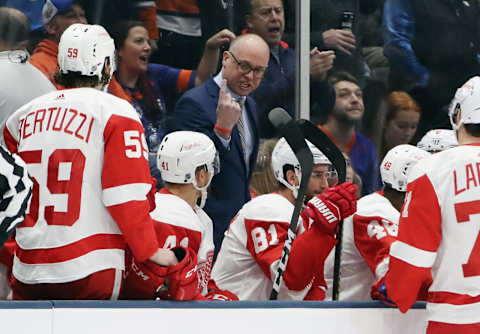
[222, 109]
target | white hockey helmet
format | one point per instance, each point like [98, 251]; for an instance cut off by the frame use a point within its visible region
[438, 140]
[84, 48]
[396, 164]
[466, 100]
[283, 155]
[318, 156]
[180, 154]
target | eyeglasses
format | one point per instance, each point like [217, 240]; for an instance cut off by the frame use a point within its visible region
[329, 175]
[246, 68]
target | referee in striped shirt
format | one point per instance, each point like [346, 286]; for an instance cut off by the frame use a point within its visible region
[15, 193]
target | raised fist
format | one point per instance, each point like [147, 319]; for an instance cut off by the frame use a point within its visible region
[333, 205]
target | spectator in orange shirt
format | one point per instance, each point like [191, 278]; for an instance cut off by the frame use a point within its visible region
[57, 15]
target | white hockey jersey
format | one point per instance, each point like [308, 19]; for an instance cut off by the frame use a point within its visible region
[367, 236]
[439, 238]
[250, 252]
[86, 152]
[177, 224]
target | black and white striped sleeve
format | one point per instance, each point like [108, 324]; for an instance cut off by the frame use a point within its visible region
[15, 192]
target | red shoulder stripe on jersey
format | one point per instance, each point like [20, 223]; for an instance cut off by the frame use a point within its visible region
[70, 251]
[444, 297]
[420, 217]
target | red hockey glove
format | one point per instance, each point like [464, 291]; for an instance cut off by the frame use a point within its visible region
[182, 281]
[148, 280]
[214, 293]
[335, 204]
[144, 279]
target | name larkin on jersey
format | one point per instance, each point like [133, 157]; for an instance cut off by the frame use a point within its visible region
[470, 179]
[60, 119]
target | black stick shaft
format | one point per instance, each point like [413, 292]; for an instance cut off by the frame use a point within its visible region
[294, 137]
[318, 138]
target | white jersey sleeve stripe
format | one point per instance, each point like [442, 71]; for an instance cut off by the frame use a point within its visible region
[125, 193]
[382, 268]
[412, 255]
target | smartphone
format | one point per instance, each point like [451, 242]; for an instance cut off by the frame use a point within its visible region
[347, 20]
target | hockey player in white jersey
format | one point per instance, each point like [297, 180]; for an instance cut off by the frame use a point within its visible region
[438, 140]
[86, 152]
[250, 252]
[437, 251]
[187, 161]
[369, 232]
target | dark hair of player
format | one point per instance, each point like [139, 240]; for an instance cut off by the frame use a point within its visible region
[73, 79]
[473, 129]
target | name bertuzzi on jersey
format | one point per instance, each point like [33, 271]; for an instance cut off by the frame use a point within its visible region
[57, 118]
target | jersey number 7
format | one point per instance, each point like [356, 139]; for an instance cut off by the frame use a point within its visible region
[463, 211]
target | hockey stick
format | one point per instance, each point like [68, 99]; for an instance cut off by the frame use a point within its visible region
[294, 137]
[318, 138]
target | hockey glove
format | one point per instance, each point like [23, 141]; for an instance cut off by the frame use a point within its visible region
[148, 280]
[182, 280]
[214, 293]
[335, 204]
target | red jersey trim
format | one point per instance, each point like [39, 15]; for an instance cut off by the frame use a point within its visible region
[165, 191]
[444, 297]
[71, 251]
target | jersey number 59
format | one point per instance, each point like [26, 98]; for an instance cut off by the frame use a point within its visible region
[64, 177]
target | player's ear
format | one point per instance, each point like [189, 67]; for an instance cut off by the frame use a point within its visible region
[291, 177]
[201, 175]
[459, 116]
